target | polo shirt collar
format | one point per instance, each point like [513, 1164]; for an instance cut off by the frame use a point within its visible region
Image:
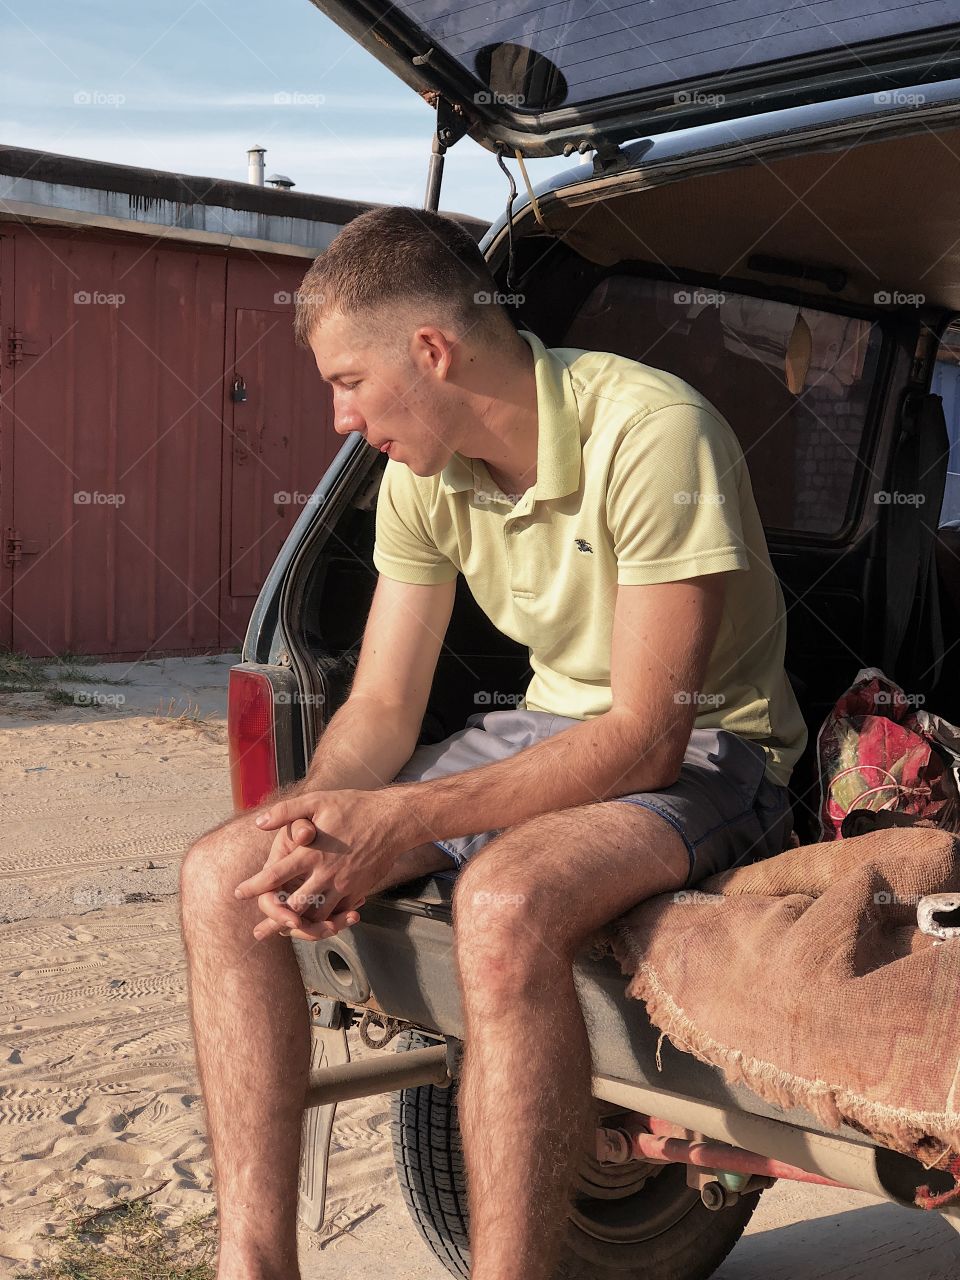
[559, 450]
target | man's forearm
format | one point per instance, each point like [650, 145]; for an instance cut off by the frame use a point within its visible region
[599, 759]
[363, 747]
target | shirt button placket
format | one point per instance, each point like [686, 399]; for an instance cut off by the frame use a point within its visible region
[515, 523]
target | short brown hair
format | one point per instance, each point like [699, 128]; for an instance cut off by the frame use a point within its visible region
[402, 255]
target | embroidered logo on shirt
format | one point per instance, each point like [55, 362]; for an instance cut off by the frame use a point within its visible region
[583, 545]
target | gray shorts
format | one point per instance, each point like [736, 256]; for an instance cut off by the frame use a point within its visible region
[726, 811]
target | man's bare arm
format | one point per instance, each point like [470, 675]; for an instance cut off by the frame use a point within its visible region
[663, 636]
[363, 747]
[375, 731]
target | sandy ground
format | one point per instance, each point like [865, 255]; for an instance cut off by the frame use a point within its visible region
[98, 1092]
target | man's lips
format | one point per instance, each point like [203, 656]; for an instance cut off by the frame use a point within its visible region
[381, 445]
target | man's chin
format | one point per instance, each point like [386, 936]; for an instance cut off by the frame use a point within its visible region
[430, 468]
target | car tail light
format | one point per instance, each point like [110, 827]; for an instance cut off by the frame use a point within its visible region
[251, 736]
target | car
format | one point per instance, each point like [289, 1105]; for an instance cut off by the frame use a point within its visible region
[762, 205]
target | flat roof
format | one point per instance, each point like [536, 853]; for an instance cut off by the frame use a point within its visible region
[40, 186]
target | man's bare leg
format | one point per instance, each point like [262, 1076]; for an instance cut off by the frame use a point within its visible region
[522, 910]
[251, 1035]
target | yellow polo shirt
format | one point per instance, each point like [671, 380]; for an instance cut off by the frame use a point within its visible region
[639, 480]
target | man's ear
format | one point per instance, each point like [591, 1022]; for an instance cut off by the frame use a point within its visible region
[432, 350]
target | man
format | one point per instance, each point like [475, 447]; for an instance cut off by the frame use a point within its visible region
[601, 512]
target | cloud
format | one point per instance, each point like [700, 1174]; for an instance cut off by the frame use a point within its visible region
[188, 86]
[52, 96]
[385, 170]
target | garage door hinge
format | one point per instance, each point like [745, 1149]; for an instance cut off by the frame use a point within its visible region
[17, 346]
[14, 547]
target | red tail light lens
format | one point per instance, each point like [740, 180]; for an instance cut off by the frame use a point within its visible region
[252, 742]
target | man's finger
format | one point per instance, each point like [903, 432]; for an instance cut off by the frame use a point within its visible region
[308, 932]
[346, 903]
[284, 811]
[276, 873]
[313, 897]
[275, 907]
[314, 932]
[302, 831]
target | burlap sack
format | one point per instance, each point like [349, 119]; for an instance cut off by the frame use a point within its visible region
[806, 977]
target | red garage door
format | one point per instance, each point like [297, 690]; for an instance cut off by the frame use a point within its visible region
[122, 455]
[280, 433]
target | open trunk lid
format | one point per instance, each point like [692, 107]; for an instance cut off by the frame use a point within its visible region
[544, 78]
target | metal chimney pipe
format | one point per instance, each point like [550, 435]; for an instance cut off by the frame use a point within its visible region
[255, 165]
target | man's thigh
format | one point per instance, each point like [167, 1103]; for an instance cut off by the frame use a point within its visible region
[572, 871]
[722, 807]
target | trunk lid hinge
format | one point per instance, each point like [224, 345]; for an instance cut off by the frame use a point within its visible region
[452, 124]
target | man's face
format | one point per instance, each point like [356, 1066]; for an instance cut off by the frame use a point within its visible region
[395, 398]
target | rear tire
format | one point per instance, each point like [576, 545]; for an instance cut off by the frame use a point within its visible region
[626, 1222]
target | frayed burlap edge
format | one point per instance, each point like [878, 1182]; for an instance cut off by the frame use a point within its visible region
[932, 1137]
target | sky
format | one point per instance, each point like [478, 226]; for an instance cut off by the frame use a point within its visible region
[190, 85]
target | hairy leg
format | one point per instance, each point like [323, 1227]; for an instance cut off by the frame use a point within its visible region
[251, 1035]
[522, 909]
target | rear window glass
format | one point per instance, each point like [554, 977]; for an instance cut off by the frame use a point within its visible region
[946, 383]
[800, 421]
[591, 51]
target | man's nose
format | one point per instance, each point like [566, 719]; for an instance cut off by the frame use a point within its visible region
[347, 420]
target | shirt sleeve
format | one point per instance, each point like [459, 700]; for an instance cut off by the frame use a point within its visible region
[673, 497]
[403, 548]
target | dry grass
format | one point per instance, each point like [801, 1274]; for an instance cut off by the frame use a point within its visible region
[22, 674]
[128, 1241]
[190, 718]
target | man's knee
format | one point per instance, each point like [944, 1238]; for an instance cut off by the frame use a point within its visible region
[223, 856]
[508, 930]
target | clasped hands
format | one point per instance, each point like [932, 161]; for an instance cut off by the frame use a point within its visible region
[330, 850]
